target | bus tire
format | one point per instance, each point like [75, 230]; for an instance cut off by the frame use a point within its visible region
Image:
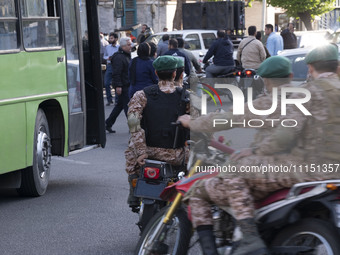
[34, 179]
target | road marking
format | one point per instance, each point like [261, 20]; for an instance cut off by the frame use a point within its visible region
[87, 148]
[71, 161]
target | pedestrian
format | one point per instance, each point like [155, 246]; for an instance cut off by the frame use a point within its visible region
[165, 29]
[259, 37]
[140, 37]
[141, 71]
[307, 143]
[274, 41]
[120, 80]
[163, 45]
[151, 112]
[289, 38]
[103, 44]
[110, 49]
[153, 52]
[129, 34]
[222, 50]
[250, 52]
[174, 51]
[193, 79]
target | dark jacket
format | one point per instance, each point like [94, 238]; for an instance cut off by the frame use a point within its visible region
[187, 64]
[222, 50]
[144, 75]
[289, 39]
[120, 69]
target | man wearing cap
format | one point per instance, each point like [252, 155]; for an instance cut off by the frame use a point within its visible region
[305, 143]
[150, 114]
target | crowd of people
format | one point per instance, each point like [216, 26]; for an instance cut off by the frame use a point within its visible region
[149, 87]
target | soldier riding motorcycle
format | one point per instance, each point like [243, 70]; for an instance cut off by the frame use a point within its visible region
[150, 114]
[288, 220]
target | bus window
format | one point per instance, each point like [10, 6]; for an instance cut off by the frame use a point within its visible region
[8, 25]
[41, 23]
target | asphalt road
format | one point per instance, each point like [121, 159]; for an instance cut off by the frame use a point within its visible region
[84, 210]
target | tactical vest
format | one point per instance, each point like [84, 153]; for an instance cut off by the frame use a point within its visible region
[330, 150]
[162, 109]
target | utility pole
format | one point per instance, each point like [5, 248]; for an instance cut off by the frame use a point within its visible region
[264, 13]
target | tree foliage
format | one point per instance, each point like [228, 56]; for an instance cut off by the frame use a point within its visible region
[306, 10]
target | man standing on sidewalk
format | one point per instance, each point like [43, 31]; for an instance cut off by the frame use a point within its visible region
[251, 52]
[120, 81]
[274, 41]
[110, 49]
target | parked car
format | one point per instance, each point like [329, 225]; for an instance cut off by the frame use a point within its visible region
[299, 66]
[306, 39]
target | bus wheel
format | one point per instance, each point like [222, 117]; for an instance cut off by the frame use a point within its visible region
[34, 179]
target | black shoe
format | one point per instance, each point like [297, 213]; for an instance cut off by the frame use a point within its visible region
[108, 129]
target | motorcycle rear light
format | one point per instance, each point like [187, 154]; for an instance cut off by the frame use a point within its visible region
[331, 186]
[151, 172]
[239, 73]
[248, 73]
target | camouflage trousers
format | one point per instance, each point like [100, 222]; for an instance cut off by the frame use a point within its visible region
[171, 156]
[238, 193]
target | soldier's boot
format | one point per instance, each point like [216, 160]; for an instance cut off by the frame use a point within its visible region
[251, 243]
[132, 200]
[207, 239]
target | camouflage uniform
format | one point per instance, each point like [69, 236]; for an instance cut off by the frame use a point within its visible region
[137, 145]
[315, 140]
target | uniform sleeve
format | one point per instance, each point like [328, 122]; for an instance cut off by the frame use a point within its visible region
[283, 138]
[136, 107]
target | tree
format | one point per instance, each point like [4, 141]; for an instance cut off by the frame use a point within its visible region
[177, 21]
[306, 10]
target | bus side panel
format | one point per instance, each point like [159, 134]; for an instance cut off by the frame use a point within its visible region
[32, 109]
[13, 137]
[28, 74]
[28, 78]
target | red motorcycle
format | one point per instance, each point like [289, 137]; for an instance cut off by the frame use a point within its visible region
[304, 219]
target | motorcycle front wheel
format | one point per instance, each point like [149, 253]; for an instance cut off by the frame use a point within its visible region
[177, 236]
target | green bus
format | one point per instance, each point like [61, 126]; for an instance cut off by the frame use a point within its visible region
[51, 96]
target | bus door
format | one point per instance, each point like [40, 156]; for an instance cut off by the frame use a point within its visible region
[86, 110]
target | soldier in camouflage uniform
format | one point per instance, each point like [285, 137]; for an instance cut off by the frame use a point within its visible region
[150, 135]
[314, 140]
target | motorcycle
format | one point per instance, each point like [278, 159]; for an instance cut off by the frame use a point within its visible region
[153, 178]
[248, 78]
[304, 219]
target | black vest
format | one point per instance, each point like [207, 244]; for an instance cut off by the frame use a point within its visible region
[162, 109]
